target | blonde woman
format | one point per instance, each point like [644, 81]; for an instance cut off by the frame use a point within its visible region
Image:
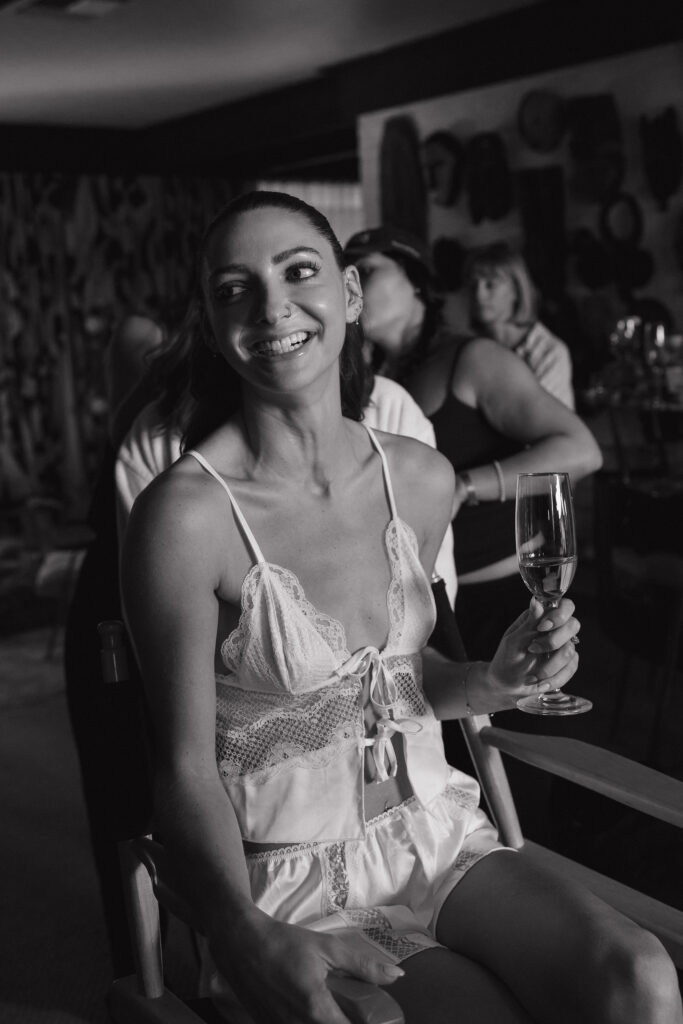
[503, 306]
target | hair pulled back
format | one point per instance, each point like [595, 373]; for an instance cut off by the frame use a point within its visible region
[197, 391]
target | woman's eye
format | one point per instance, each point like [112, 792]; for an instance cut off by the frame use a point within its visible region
[227, 291]
[302, 271]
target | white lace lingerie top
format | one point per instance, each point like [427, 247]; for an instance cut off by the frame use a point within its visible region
[290, 728]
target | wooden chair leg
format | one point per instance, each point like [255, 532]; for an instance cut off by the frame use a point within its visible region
[143, 920]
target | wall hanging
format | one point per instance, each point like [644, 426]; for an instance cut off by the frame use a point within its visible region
[662, 150]
[402, 185]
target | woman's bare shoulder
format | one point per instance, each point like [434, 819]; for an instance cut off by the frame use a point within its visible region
[179, 503]
[411, 460]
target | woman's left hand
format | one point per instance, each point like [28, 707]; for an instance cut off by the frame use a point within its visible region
[537, 653]
[541, 350]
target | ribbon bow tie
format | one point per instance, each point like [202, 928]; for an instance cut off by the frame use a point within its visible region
[383, 692]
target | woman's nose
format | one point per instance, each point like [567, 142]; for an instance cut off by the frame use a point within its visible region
[273, 304]
[480, 291]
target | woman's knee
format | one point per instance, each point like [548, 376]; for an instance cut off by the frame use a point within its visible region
[636, 981]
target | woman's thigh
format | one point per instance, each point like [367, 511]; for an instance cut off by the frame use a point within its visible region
[565, 954]
[441, 987]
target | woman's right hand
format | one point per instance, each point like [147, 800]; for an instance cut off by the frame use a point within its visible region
[536, 653]
[278, 971]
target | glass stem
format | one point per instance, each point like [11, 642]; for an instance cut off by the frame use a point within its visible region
[555, 696]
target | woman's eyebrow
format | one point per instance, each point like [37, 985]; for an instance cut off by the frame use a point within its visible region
[228, 268]
[282, 256]
[241, 268]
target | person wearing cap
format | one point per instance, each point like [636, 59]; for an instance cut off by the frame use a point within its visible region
[402, 305]
[491, 416]
[503, 306]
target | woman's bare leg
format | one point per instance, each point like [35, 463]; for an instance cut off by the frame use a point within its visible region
[567, 956]
[441, 987]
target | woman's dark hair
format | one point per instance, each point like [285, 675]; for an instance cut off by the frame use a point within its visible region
[198, 391]
[432, 300]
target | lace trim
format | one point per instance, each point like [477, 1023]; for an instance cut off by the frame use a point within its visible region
[395, 593]
[330, 629]
[260, 734]
[466, 858]
[377, 927]
[336, 877]
[283, 853]
[461, 798]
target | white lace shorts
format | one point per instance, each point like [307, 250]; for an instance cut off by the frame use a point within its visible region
[382, 893]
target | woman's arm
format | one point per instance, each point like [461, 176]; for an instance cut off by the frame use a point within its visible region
[509, 396]
[534, 655]
[169, 582]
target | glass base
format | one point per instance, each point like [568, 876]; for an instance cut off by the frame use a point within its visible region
[555, 702]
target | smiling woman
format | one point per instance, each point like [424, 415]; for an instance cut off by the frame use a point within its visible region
[276, 582]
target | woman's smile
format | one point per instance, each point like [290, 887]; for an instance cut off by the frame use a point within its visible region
[287, 345]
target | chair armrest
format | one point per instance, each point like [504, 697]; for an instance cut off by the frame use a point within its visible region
[153, 855]
[364, 1003]
[628, 782]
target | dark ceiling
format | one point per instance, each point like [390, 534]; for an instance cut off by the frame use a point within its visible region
[307, 127]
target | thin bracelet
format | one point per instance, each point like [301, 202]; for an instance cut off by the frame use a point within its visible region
[501, 480]
[468, 706]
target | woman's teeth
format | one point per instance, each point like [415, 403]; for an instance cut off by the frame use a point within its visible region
[280, 346]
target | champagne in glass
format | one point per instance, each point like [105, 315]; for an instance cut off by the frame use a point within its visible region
[546, 549]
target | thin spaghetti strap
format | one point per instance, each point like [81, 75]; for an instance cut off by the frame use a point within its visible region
[385, 469]
[250, 538]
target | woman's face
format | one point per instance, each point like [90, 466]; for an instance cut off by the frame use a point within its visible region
[276, 300]
[390, 303]
[493, 297]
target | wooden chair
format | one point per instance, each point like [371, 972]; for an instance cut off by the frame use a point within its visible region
[145, 998]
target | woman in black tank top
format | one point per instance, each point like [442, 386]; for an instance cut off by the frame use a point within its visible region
[491, 417]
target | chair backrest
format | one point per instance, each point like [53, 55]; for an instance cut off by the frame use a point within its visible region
[128, 796]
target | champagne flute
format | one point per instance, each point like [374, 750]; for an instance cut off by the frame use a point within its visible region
[546, 549]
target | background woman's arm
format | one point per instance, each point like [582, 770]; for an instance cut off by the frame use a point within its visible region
[554, 438]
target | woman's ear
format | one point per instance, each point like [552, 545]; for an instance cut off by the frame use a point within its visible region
[354, 295]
